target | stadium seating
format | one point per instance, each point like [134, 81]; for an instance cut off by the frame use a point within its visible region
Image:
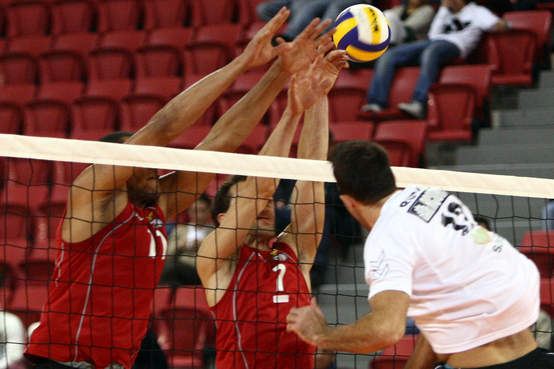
[8, 283]
[63, 175]
[451, 112]
[129, 40]
[94, 114]
[212, 12]
[539, 22]
[395, 357]
[57, 65]
[28, 18]
[166, 87]
[348, 95]
[158, 61]
[117, 15]
[191, 137]
[71, 16]
[247, 11]
[65, 92]
[46, 118]
[352, 130]
[83, 43]
[46, 223]
[32, 45]
[136, 110]
[512, 55]
[11, 118]
[176, 37]
[404, 141]
[17, 94]
[115, 89]
[254, 142]
[110, 63]
[18, 68]
[539, 247]
[166, 14]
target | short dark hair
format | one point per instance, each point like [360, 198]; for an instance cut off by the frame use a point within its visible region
[116, 137]
[222, 199]
[362, 171]
[482, 221]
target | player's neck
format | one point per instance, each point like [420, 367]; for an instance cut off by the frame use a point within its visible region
[258, 244]
[372, 212]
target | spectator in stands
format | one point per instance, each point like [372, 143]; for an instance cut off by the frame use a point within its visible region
[409, 21]
[548, 215]
[180, 266]
[303, 11]
[454, 33]
[13, 337]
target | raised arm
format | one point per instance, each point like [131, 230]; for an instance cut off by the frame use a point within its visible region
[236, 124]
[308, 199]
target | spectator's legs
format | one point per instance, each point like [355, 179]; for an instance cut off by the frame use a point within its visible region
[384, 70]
[268, 9]
[337, 6]
[302, 13]
[438, 53]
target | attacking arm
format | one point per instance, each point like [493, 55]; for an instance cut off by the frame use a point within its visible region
[237, 123]
[308, 200]
[383, 327]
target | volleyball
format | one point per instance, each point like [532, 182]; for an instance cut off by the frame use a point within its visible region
[362, 30]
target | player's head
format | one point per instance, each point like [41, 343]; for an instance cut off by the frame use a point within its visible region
[363, 174]
[200, 211]
[482, 221]
[264, 225]
[142, 186]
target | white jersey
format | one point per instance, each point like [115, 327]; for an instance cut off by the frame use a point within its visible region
[467, 286]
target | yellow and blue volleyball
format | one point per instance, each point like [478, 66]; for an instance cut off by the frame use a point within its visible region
[362, 30]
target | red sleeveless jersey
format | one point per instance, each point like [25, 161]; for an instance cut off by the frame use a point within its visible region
[251, 316]
[100, 297]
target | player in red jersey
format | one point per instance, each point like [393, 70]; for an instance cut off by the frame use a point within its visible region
[252, 279]
[112, 239]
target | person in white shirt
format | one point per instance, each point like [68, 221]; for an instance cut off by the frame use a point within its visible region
[472, 295]
[454, 33]
[409, 21]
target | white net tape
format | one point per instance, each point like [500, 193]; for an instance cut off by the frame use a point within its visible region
[254, 165]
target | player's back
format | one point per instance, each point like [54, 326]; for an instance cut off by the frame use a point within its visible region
[251, 316]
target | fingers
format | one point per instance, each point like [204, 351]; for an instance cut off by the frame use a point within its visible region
[325, 44]
[277, 21]
[321, 27]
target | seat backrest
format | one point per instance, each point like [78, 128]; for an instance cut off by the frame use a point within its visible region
[176, 37]
[18, 68]
[116, 15]
[166, 14]
[166, 87]
[72, 16]
[228, 34]
[136, 110]
[348, 95]
[159, 61]
[352, 130]
[57, 66]
[212, 12]
[65, 172]
[65, 92]
[536, 21]
[477, 76]
[403, 85]
[82, 43]
[247, 11]
[110, 63]
[192, 137]
[94, 113]
[11, 117]
[18, 94]
[205, 57]
[125, 39]
[404, 140]
[451, 107]
[15, 223]
[29, 172]
[46, 118]
[514, 51]
[32, 44]
[28, 18]
[115, 89]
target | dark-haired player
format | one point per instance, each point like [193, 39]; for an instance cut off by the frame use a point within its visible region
[112, 240]
[252, 279]
[472, 295]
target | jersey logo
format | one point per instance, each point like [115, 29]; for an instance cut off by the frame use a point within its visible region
[379, 268]
[428, 204]
[455, 216]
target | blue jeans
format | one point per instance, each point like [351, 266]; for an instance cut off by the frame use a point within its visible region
[303, 11]
[430, 55]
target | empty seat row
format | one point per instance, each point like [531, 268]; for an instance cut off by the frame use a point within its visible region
[69, 16]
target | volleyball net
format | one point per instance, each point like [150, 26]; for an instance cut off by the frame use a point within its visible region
[37, 174]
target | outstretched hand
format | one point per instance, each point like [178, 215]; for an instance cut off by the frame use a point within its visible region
[308, 322]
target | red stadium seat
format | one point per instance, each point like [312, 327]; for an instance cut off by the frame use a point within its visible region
[254, 142]
[353, 130]
[397, 356]
[72, 16]
[539, 247]
[45, 225]
[105, 64]
[547, 295]
[46, 118]
[404, 141]
[538, 22]
[15, 223]
[32, 45]
[28, 18]
[17, 94]
[213, 12]
[401, 91]
[63, 175]
[9, 282]
[166, 87]
[11, 118]
[65, 92]
[136, 110]
[94, 114]
[242, 85]
[29, 172]
[27, 302]
[117, 15]
[247, 11]
[227, 34]
[18, 68]
[58, 66]
[192, 137]
[126, 39]
[347, 96]
[511, 55]
[27, 184]
[159, 61]
[82, 43]
[176, 37]
[115, 89]
[451, 111]
[166, 14]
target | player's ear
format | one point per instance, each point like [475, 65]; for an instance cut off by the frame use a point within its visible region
[220, 217]
[348, 201]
